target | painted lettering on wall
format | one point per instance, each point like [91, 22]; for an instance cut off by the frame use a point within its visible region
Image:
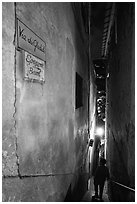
[34, 68]
[29, 41]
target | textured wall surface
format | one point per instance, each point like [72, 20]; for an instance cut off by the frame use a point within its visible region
[45, 138]
[121, 105]
[8, 92]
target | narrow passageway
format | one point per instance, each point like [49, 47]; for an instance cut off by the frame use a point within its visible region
[88, 197]
[68, 101]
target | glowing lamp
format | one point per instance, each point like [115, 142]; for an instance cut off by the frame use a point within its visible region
[100, 131]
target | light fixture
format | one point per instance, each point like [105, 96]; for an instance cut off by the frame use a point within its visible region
[100, 131]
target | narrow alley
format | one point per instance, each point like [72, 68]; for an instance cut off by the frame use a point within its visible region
[68, 101]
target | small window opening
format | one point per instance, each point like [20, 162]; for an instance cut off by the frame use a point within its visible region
[79, 91]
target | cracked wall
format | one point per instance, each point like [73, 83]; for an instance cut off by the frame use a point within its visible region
[45, 139]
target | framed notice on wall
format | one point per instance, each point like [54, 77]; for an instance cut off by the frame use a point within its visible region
[34, 68]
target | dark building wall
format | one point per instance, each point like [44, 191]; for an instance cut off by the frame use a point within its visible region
[45, 138]
[121, 104]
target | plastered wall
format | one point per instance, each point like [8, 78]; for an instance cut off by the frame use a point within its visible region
[44, 137]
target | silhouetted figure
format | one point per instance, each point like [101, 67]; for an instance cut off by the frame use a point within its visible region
[101, 174]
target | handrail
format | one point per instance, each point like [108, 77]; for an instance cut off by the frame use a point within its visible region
[131, 189]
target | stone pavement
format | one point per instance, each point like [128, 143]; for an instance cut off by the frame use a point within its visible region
[88, 195]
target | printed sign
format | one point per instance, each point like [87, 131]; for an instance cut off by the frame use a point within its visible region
[29, 41]
[34, 68]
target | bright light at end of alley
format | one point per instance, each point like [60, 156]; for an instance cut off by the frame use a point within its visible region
[100, 131]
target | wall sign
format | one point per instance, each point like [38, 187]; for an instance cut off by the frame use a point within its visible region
[29, 41]
[34, 68]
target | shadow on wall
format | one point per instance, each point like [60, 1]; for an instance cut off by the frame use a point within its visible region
[119, 171]
[120, 194]
[79, 190]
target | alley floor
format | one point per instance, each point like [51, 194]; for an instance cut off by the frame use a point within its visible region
[88, 195]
